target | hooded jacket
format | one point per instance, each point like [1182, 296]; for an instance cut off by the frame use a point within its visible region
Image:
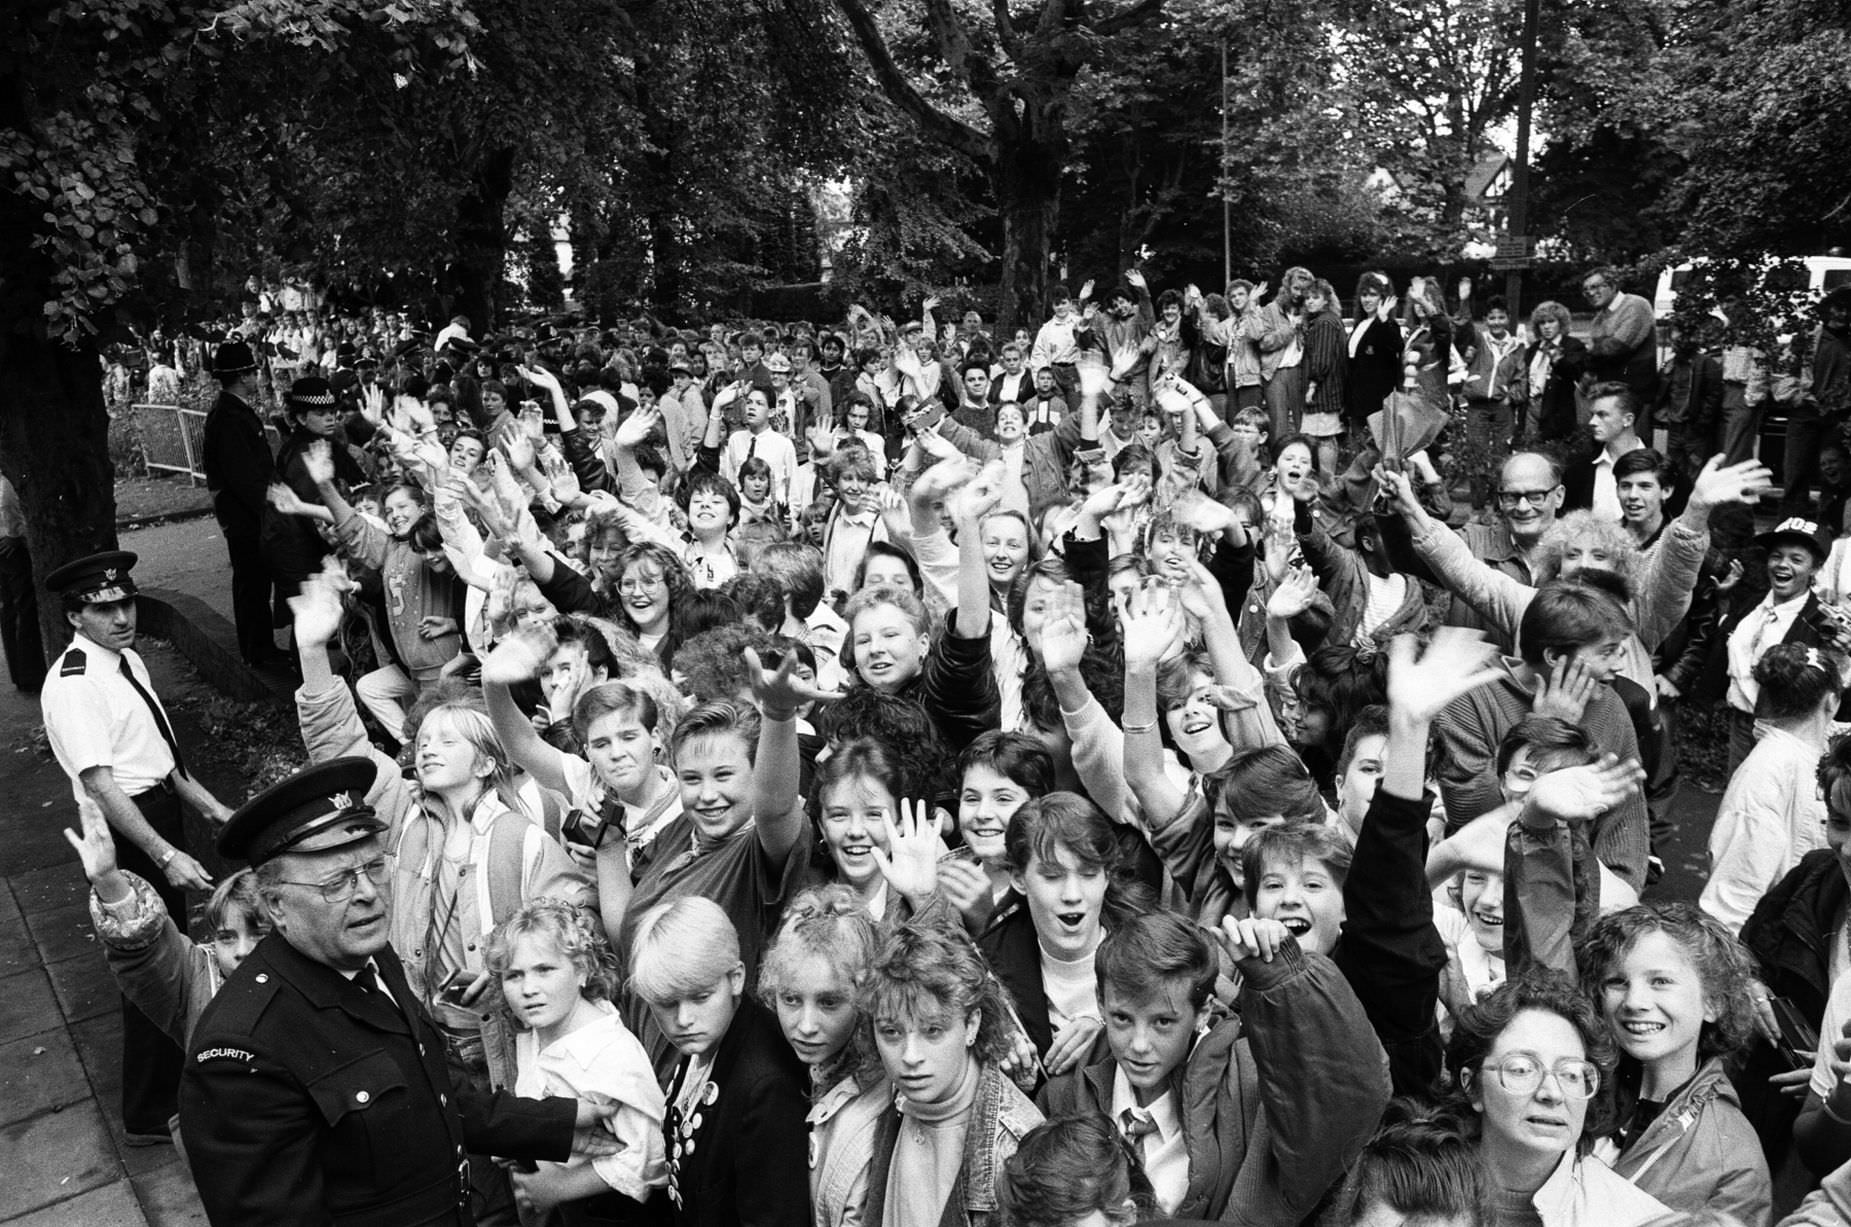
[1700, 1153]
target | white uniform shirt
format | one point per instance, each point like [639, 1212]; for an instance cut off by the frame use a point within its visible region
[1604, 504]
[94, 718]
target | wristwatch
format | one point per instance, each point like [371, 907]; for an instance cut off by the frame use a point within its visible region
[167, 860]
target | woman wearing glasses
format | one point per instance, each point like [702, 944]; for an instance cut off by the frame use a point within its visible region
[1531, 1061]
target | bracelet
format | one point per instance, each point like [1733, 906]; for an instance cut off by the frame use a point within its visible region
[1147, 727]
[167, 860]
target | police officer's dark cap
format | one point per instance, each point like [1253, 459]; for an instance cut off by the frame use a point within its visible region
[96, 579]
[310, 394]
[319, 809]
[233, 358]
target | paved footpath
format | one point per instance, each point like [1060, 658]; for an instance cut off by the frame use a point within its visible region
[61, 1147]
[61, 1143]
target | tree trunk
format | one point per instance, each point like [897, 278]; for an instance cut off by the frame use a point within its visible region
[482, 240]
[1027, 182]
[665, 265]
[54, 445]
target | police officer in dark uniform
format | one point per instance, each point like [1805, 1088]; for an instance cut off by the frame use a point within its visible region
[292, 545]
[316, 1090]
[112, 737]
[239, 469]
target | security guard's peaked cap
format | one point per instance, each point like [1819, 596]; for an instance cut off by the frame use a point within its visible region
[95, 579]
[319, 809]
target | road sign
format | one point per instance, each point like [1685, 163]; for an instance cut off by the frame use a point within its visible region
[1513, 253]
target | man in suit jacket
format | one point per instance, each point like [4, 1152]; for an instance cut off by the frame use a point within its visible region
[316, 1088]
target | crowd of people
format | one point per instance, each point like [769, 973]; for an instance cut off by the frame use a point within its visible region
[1203, 757]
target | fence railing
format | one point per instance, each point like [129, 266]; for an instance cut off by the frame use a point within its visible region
[173, 440]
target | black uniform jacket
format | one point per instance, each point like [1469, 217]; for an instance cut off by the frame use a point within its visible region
[306, 1099]
[740, 1157]
[239, 466]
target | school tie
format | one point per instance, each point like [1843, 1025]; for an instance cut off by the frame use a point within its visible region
[160, 717]
[1138, 1125]
[1760, 643]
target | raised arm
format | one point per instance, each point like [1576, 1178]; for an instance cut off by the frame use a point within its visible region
[1390, 951]
[518, 658]
[1153, 621]
[777, 809]
[1323, 1077]
[330, 724]
[1500, 598]
[548, 382]
[1098, 746]
[362, 538]
[1246, 716]
[977, 499]
[1554, 888]
[1674, 564]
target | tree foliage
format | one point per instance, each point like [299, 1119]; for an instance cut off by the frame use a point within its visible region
[994, 85]
[1701, 126]
[1429, 80]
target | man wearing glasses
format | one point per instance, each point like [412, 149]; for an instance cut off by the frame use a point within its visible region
[315, 1089]
[1529, 495]
[1622, 341]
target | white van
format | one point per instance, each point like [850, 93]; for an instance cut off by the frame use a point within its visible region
[1823, 274]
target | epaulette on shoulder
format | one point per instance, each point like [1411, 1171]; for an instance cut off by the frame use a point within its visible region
[234, 1014]
[74, 663]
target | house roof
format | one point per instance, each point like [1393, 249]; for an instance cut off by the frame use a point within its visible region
[1479, 179]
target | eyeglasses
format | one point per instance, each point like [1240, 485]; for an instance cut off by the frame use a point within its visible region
[1521, 1073]
[1593, 287]
[340, 888]
[638, 586]
[1535, 498]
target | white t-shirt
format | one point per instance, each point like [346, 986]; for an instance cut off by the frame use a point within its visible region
[1072, 987]
[1837, 1010]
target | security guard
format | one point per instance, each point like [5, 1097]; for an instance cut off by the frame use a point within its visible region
[316, 1089]
[239, 469]
[112, 737]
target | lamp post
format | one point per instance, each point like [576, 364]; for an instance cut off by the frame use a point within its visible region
[1227, 225]
[1518, 222]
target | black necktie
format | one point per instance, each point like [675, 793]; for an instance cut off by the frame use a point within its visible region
[160, 717]
[366, 980]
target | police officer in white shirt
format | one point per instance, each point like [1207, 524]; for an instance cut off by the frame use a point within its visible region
[112, 737]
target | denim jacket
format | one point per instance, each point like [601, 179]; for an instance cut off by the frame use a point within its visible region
[1000, 1118]
[842, 1122]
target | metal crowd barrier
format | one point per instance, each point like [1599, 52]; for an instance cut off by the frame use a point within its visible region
[173, 439]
